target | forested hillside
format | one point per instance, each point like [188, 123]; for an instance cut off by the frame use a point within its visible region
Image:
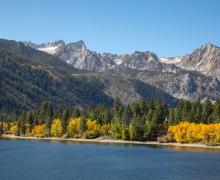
[29, 77]
[26, 84]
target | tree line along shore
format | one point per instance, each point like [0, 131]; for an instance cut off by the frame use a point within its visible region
[188, 122]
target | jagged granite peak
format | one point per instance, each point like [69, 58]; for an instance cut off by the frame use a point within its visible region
[77, 54]
[49, 44]
[78, 45]
[147, 61]
[30, 44]
[209, 46]
[146, 67]
[205, 60]
[50, 47]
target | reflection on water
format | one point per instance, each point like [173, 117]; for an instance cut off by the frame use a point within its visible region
[57, 160]
[192, 149]
[171, 147]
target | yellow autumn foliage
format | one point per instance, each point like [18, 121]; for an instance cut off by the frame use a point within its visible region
[105, 129]
[93, 126]
[27, 129]
[6, 126]
[38, 131]
[14, 129]
[56, 128]
[93, 129]
[73, 127]
[186, 132]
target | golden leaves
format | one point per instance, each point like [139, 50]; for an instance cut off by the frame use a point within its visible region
[186, 132]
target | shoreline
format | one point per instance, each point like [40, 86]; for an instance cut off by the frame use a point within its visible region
[110, 141]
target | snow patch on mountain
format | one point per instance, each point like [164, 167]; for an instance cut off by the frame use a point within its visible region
[118, 61]
[204, 59]
[173, 60]
[49, 49]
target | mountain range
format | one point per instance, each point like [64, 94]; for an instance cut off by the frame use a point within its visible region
[69, 74]
[205, 59]
[192, 76]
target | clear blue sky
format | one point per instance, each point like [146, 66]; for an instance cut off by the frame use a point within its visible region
[166, 27]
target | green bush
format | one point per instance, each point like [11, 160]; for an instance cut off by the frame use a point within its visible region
[91, 134]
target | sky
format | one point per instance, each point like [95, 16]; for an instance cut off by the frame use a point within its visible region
[166, 27]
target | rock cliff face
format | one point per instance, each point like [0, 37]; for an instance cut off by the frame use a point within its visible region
[192, 76]
[28, 77]
[205, 60]
[80, 57]
[181, 84]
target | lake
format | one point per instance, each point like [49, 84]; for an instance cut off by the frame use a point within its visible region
[55, 160]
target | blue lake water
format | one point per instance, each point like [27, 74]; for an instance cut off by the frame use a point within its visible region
[55, 160]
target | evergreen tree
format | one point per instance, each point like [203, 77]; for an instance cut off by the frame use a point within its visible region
[83, 124]
[198, 113]
[133, 131]
[1, 127]
[186, 110]
[65, 117]
[100, 115]
[43, 112]
[136, 128]
[30, 118]
[1, 124]
[19, 128]
[143, 107]
[171, 118]
[126, 116]
[22, 123]
[91, 113]
[107, 116]
[116, 105]
[206, 111]
[216, 112]
[49, 120]
[150, 131]
[77, 112]
[136, 110]
[192, 113]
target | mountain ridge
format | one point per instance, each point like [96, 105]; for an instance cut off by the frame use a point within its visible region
[205, 59]
[173, 75]
[131, 77]
[27, 80]
[81, 57]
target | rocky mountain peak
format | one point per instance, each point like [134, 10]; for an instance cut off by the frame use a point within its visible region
[147, 67]
[77, 54]
[80, 45]
[144, 54]
[57, 43]
[205, 59]
[209, 46]
[30, 44]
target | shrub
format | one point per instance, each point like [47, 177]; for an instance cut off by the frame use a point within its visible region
[125, 134]
[38, 131]
[186, 132]
[14, 129]
[91, 134]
